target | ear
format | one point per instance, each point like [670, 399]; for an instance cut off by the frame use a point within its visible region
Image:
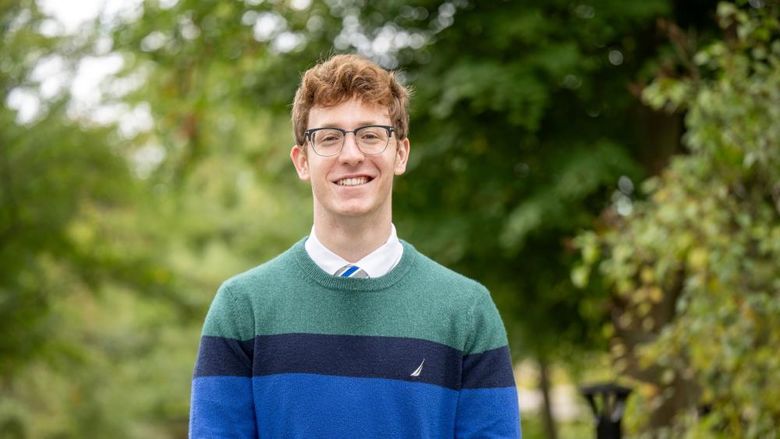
[300, 161]
[401, 156]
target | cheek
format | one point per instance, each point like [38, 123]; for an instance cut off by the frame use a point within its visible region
[319, 172]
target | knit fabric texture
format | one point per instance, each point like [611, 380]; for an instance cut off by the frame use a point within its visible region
[289, 351]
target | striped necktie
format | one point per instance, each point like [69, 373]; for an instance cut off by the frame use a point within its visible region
[351, 271]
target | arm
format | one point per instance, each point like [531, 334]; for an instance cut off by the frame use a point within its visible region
[222, 404]
[487, 404]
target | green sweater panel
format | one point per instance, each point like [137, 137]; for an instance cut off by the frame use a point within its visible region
[419, 298]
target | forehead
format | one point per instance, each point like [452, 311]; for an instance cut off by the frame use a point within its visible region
[348, 115]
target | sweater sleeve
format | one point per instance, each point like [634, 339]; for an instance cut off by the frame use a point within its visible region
[487, 403]
[222, 404]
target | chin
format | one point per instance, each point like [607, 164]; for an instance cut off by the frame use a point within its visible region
[356, 209]
[355, 212]
[353, 208]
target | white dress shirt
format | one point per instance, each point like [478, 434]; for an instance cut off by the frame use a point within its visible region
[377, 263]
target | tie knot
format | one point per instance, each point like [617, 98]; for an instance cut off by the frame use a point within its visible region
[351, 271]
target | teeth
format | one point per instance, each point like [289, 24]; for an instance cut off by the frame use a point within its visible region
[354, 181]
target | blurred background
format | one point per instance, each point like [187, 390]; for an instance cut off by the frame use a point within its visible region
[609, 169]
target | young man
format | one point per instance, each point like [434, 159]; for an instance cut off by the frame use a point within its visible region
[352, 333]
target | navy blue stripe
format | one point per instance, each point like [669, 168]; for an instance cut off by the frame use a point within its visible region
[354, 356]
[224, 356]
[491, 368]
[358, 356]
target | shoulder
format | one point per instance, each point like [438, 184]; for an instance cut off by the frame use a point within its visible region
[272, 272]
[430, 272]
[454, 292]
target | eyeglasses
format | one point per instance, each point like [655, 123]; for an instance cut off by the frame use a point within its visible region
[370, 139]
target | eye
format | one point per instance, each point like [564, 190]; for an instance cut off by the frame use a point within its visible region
[328, 136]
[372, 134]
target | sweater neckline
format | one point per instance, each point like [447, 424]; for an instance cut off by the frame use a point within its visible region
[311, 270]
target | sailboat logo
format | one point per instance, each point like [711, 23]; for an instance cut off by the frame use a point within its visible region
[417, 371]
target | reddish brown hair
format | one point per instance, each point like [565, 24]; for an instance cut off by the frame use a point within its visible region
[342, 78]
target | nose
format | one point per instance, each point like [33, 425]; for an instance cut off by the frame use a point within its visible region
[350, 153]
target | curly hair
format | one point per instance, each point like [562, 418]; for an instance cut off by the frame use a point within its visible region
[343, 77]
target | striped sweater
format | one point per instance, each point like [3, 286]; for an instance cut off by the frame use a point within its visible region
[289, 351]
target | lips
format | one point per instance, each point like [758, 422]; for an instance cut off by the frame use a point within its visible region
[353, 181]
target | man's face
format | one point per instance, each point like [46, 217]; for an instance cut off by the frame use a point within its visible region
[351, 183]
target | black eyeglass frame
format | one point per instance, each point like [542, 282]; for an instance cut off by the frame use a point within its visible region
[307, 135]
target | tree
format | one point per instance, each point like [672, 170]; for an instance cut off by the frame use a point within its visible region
[43, 187]
[693, 268]
[71, 247]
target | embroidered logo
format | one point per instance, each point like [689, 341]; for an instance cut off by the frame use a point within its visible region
[417, 371]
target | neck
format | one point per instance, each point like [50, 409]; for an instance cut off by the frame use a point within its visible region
[353, 238]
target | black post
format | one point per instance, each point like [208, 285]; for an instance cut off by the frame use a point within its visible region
[608, 401]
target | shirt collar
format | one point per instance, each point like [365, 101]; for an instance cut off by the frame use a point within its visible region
[377, 263]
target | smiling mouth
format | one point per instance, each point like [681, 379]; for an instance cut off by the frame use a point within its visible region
[353, 181]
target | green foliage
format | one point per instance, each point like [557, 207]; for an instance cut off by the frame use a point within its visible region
[69, 240]
[706, 244]
[521, 126]
[42, 186]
